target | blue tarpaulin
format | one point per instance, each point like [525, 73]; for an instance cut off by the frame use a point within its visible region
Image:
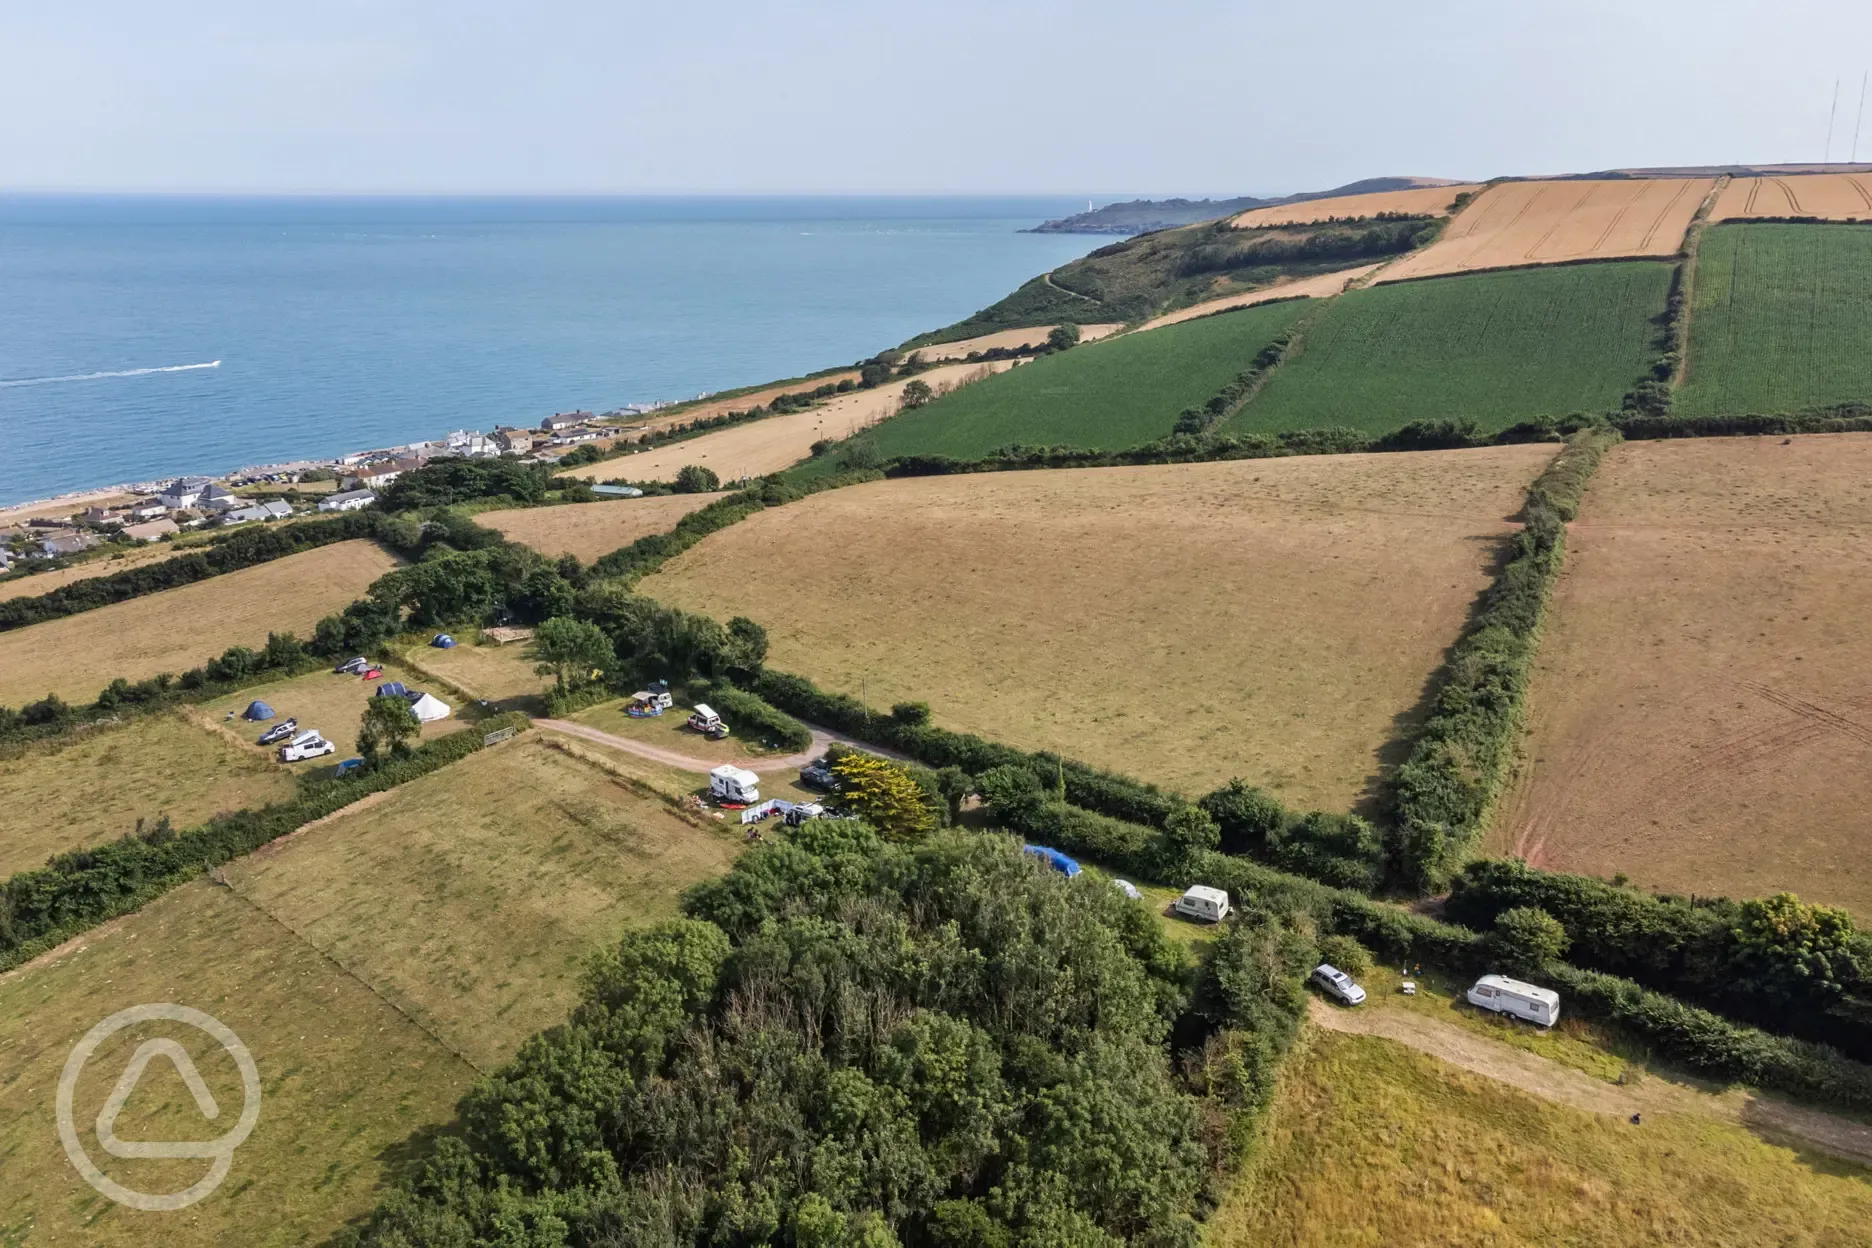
[1053, 858]
[258, 710]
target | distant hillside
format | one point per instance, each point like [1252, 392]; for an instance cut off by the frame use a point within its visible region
[1141, 216]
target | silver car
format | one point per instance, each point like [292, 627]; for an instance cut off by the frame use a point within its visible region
[1338, 985]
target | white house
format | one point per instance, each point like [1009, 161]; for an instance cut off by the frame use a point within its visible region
[350, 500]
[274, 510]
[147, 511]
[183, 492]
[558, 422]
[215, 498]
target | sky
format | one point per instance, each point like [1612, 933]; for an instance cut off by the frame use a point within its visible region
[1079, 96]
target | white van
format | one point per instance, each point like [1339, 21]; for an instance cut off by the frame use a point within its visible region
[306, 745]
[1202, 902]
[1511, 996]
[729, 783]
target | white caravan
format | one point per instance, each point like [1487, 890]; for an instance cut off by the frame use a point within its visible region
[734, 784]
[1199, 901]
[1511, 996]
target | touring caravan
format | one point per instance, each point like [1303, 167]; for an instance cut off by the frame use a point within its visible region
[1511, 996]
[1201, 902]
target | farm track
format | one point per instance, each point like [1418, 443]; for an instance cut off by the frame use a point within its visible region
[821, 739]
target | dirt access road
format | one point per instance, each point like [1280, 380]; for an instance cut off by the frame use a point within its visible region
[1829, 1133]
[670, 758]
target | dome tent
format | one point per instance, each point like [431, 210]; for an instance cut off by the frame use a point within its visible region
[257, 710]
[443, 642]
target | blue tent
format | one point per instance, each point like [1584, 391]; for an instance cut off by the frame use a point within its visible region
[393, 689]
[257, 710]
[443, 642]
[1053, 858]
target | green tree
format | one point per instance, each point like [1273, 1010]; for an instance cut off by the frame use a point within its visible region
[884, 795]
[1186, 833]
[916, 394]
[1527, 938]
[1062, 337]
[1793, 952]
[860, 453]
[696, 479]
[570, 651]
[387, 727]
[747, 646]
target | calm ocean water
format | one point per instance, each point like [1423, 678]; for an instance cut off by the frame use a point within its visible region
[345, 324]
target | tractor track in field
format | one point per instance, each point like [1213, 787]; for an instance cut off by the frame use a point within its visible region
[821, 738]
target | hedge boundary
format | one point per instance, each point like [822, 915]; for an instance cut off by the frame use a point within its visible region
[46, 906]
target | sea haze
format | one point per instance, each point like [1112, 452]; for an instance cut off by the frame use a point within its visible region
[342, 324]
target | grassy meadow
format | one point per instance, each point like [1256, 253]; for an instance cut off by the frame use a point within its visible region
[1779, 319]
[97, 787]
[591, 530]
[1495, 348]
[1105, 395]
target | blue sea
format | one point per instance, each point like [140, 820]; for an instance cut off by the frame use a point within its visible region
[344, 324]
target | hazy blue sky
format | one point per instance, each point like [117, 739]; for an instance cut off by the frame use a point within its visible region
[1158, 96]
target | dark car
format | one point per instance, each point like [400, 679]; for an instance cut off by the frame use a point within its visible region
[817, 775]
[279, 732]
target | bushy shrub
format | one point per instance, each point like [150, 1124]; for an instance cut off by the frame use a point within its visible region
[1345, 953]
[1526, 939]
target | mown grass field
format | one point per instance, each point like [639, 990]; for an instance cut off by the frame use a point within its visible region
[1780, 318]
[54, 800]
[470, 898]
[668, 732]
[1107, 395]
[1269, 619]
[1495, 348]
[591, 530]
[177, 629]
[1374, 1145]
[1700, 712]
[345, 1079]
[504, 676]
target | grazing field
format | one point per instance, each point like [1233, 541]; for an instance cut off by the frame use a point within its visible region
[470, 899]
[1495, 348]
[1009, 339]
[1109, 395]
[53, 800]
[1373, 1144]
[329, 702]
[1320, 286]
[591, 530]
[504, 676]
[1701, 708]
[775, 442]
[345, 1081]
[1522, 223]
[45, 582]
[1418, 201]
[177, 629]
[1269, 619]
[1780, 319]
[1830, 196]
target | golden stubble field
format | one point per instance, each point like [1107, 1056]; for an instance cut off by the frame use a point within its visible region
[1429, 201]
[1522, 223]
[1319, 286]
[1701, 708]
[177, 629]
[775, 442]
[1009, 339]
[1829, 196]
[46, 582]
[591, 530]
[1270, 619]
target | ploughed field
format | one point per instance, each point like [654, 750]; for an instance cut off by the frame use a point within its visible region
[1530, 223]
[180, 628]
[1780, 319]
[1829, 196]
[1270, 619]
[1107, 395]
[55, 798]
[1701, 707]
[1496, 348]
[592, 530]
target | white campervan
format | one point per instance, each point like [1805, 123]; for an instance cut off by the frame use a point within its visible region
[734, 784]
[1202, 902]
[1511, 996]
[306, 745]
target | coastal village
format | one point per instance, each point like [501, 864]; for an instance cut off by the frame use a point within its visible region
[98, 523]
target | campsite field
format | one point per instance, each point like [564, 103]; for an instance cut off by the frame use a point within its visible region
[1780, 315]
[1830, 196]
[667, 732]
[503, 676]
[1008, 339]
[1269, 619]
[346, 1080]
[177, 629]
[1108, 395]
[1701, 710]
[1522, 223]
[331, 703]
[1372, 1143]
[1495, 348]
[1418, 201]
[95, 789]
[470, 899]
[1320, 286]
[591, 530]
[775, 442]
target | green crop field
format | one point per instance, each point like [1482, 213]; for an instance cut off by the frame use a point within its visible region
[1105, 395]
[1779, 319]
[1495, 348]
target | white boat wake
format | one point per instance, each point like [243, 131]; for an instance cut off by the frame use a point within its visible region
[122, 372]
